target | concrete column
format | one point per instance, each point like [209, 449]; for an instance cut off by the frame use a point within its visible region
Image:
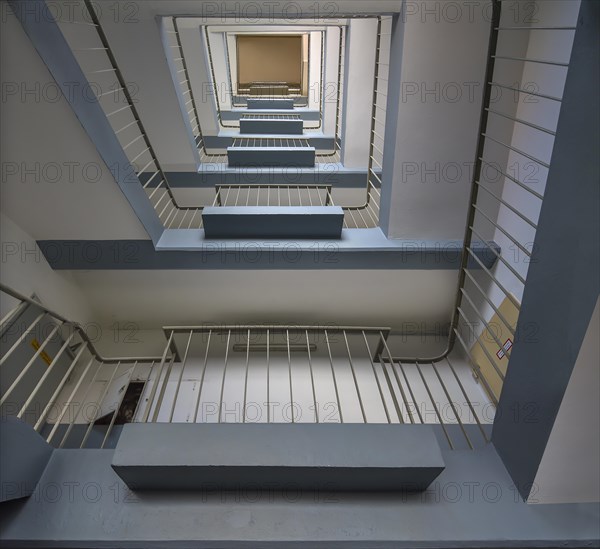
[314, 75]
[358, 91]
[574, 438]
[219, 57]
[330, 85]
[437, 68]
[171, 54]
[232, 46]
[200, 77]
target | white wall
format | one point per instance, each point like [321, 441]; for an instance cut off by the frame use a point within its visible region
[138, 48]
[442, 71]
[315, 84]
[54, 183]
[233, 69]
[192, 41]
[330, 94]
[569, 472]
[358, 92]
[23, 268]
[366, 297]
[216, 40]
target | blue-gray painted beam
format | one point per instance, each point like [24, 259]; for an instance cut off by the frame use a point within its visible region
[266, 126]
[183, 100]
[308, 115]
[48, 40]
[264, 103]
[273, 222]
[24, 455]
[259, 157]
[187, 249]
[471, 504]
[232, 456]
[220, 174]
[563, 281]
[394, 103]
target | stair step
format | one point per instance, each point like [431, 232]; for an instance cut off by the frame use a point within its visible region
[271, 152]
[325, 456]
[276, 124]
[270, 103]
[245, 222]
[269, 89]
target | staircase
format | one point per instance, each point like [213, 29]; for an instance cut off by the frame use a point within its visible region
[271, 148]
[272, 137]
[273, 124]
[263, 103]
[271, 152]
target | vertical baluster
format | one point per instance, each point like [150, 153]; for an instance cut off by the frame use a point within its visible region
[185, 355]
[287, 339]
[337, 394]
[202, 377]
[360, 401]
[312, 379]
[224, 375]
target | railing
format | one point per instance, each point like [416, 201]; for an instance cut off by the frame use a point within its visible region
[340, 88]
[31, 392]
[286, 195]
[516, 137]
[335, 155]
[277, 373]
[366, 216]
[274, 142]
[273, 195]
[320, 87]
[231, 92]
[485, 315]
[133, 136]
[291, 89]
[99, 65]
[182, 77]
[270, 117]
[134, 139]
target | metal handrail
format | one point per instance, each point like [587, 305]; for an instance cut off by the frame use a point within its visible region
[233, 95]
[164, 202]
[386, 373]
[476, 212]
[197, 129]
[371, 206]
[158, 177]
[78, 327]
[215, 87]
[288, 189]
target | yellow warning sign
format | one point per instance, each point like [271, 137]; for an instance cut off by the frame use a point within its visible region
[486, 352]
[43, 355]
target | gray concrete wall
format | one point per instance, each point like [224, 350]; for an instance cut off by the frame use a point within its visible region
[23, 457]
[81, 502]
